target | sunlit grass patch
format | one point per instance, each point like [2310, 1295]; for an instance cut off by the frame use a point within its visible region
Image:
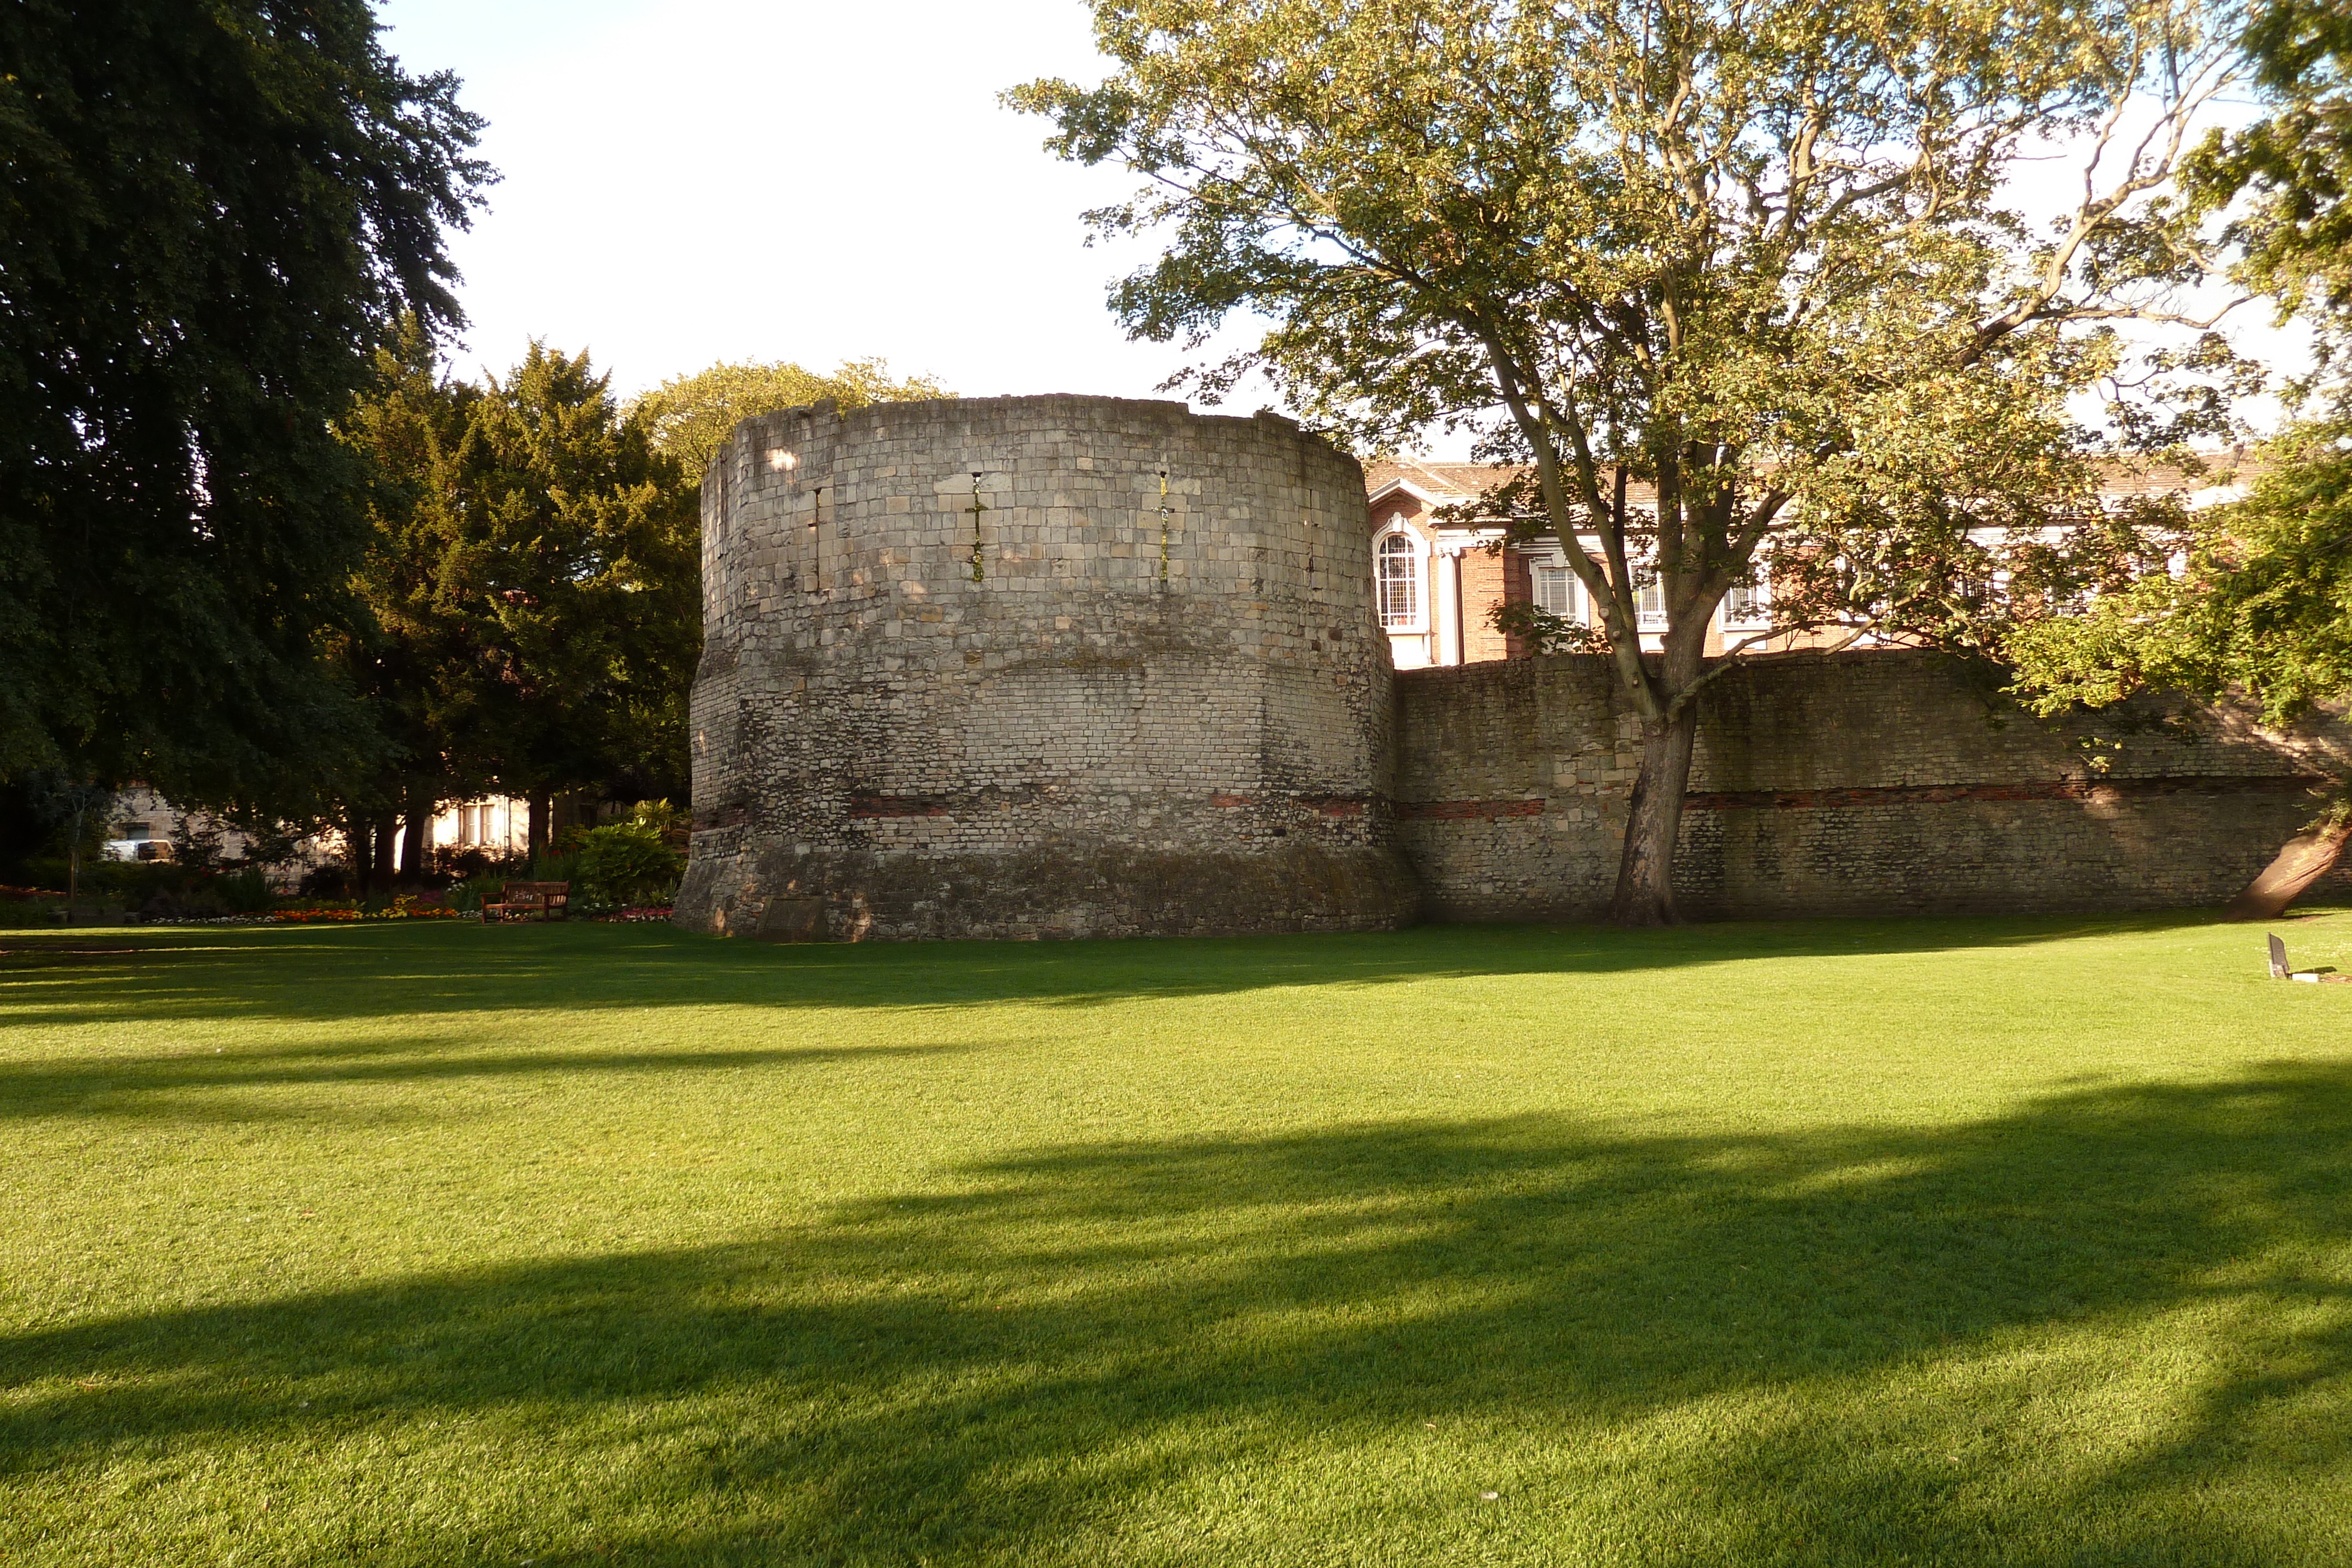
[2003, 1241]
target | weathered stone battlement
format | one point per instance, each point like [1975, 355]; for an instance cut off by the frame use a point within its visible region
[968, 671]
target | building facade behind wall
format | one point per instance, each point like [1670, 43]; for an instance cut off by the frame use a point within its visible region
[1440, 570]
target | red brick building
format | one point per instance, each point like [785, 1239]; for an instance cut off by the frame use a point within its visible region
[1437, 580]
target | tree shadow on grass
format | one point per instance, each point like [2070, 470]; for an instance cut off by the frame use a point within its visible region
[2113, 1328]
[323, 974]
[185, 1085]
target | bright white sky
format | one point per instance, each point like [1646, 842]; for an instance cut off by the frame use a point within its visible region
[689, 181]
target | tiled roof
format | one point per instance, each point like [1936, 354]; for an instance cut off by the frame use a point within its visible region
[1446, 479]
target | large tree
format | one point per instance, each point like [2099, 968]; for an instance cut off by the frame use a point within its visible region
[407, 652]
[564, 563]
[689, 417]
[1733, 280]
[2262, 607]
[2258, 608]
[2289, 172]
[214, 214]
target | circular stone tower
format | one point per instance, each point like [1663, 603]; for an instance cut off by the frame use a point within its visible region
[1037, 666]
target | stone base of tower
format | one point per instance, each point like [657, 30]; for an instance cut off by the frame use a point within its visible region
[1063, 890]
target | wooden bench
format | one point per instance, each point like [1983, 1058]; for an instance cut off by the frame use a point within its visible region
[529, 901]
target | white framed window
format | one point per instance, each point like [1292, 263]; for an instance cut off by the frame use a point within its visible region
[1650, 601]
[1557, 592]
[1397, 565]
[1748, 607]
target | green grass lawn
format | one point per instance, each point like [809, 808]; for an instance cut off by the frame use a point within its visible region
[1936, 1241]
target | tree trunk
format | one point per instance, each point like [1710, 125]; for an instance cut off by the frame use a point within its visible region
[1653, 822]
[73, 863]
[543, 815]
[2303, 862]
[386, 833]
[360, 840]
[415, 831]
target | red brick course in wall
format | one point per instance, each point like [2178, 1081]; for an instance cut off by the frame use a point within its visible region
[2098, 791]
[1465, 810]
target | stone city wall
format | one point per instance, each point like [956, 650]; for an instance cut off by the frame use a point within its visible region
[968, 673]
[1870, 782]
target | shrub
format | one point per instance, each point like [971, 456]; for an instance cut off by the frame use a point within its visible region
[245, 891]
[469, 895]
[16, 914]
[332, 880]
[663, 819]
[625, 863]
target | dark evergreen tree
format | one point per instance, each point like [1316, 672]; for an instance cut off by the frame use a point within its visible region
[411, 427]
[574, 574]
[213, 216]
[533, 589]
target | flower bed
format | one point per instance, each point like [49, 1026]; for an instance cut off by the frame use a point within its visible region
[345, 915]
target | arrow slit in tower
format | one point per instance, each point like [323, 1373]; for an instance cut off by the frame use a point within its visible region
[1163, 528]
[976, 508]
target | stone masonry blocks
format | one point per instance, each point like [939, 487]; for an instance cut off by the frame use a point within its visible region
[1175, 713]
[1137, 715]
[1870, 782]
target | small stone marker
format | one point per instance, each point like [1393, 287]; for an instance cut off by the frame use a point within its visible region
[2279, 971]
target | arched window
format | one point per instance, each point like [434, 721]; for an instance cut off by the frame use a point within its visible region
[1399, 579]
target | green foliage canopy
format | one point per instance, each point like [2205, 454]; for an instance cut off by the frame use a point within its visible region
[2292, 167]
[2262, 608]
[1742, 282]
[532, 582]
[572, 574]
[687, 417]
[214, 214]
[409, 649]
